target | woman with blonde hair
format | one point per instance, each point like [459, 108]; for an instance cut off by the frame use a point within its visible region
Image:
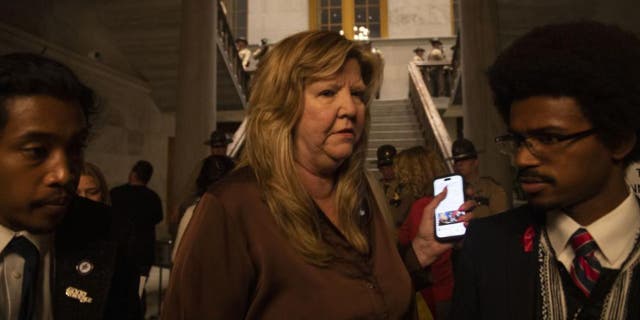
[415, 169]
[92, 184]
[293, 232]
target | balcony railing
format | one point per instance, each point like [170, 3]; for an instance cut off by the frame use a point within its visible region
[435, 133]
[226, 42]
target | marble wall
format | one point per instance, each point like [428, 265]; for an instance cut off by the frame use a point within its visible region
[419, 18]
[276, 19]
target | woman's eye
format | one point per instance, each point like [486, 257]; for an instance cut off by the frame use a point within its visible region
[327, 93]
[359, 94]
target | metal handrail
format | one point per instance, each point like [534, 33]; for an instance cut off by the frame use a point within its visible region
[227, 46]
[233, 149]
[226, 42]
[434, 130]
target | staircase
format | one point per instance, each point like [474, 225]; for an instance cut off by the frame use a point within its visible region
[392, 122]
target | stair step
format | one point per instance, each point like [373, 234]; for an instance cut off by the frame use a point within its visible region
[386, 109]
[390, 113]
[394, 118]
[402, 143]
[402, 102]
[395, 126]
[398, 134]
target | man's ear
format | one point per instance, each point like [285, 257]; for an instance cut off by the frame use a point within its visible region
[623, 146]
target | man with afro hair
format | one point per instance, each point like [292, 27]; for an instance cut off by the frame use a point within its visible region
[573, 117]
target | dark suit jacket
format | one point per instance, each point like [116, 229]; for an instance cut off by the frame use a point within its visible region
[89, 233]
[141, 206]
[496, 279]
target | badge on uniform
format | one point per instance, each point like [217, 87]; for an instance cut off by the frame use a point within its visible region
[84, 267]
[78, 294]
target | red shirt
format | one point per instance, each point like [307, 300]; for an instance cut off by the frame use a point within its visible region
[441, 269]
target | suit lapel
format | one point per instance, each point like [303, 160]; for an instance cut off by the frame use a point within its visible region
[521, 269]
[82, 278]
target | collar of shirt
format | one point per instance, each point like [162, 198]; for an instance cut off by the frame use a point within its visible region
[615, 233]
[41, 241]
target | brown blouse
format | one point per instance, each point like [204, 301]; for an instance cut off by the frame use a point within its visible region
[235, 263]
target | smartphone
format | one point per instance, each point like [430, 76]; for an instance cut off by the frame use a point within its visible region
[448, 226]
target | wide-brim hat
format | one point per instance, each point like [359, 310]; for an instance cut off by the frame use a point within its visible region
[463, 149]
[435, 40]
[418, 49]
[385, 155]
[218, 139]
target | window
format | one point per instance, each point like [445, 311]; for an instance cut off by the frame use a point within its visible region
[350, 16]
[367, 14]
[330, 15]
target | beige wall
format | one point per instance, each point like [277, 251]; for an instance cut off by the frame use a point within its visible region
[419, 18]
[276, 19]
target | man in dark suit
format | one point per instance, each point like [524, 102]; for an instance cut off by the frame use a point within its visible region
[573, 113]
[142, 206]
[61, 256]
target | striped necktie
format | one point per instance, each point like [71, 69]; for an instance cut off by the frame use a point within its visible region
[27, 250]
[585, 269]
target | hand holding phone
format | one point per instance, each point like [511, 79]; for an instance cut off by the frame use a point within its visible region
[449, 225]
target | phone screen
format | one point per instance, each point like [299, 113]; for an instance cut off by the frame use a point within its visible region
[447, 215]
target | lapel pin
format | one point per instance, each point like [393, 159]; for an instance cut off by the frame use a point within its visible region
[78, 294]
[84, 267]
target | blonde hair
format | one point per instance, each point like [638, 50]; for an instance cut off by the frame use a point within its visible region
[276, 105]
[90, 169]
[415, 169]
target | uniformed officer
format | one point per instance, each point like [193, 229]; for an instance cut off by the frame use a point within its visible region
[489, 195]
[385, 154]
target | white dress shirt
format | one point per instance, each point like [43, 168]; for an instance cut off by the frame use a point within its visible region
[615, 234]
[11, 269]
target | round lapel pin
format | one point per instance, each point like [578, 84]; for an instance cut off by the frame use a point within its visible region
[84, 267]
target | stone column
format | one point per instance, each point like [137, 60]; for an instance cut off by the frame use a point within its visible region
[479, 42]
[196, 112]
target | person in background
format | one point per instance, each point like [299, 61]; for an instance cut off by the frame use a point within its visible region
[61, 256]
[92, 184]
[419, 55]
[435, 71]
[262, 51]
[214, 167]
[295, 224]
[416, 168]
[385, 154]
[243, 52]
[573, 117]
[218, 143]
[143, 207]
[489, 196]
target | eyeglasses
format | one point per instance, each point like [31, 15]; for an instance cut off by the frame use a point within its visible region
[539, 144]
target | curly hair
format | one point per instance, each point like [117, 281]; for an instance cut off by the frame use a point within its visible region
[276, 106]
[416, 168]
[562, 60]
[30, 74]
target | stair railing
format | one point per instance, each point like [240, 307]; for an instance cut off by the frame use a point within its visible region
[229, 53]
[433, 128]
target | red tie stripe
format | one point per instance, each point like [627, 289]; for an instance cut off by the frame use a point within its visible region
[585, 269]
